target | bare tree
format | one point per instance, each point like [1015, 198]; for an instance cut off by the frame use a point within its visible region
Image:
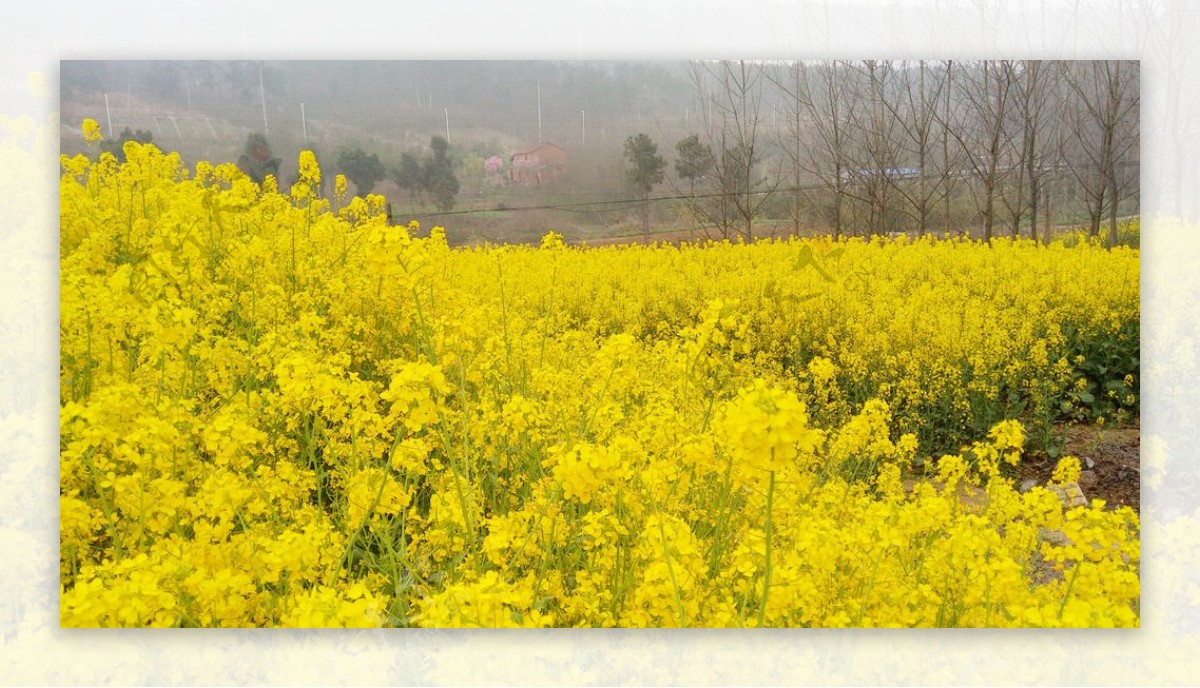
[712, 205]
[915, 111]
[1103, 122]
[819, 100]
[887, 142]
[1034, 144]
[987, 92]
[731, 117]
[791, 83]
[952, 155]
[1032, 104]
[877, 173]
[1059, 184]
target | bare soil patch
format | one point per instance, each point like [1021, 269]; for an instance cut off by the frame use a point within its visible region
[1111, 458]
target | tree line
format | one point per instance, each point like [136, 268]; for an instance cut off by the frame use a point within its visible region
[884, 146]
[433, 176]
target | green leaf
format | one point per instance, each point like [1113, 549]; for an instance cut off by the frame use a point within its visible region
[805, 258]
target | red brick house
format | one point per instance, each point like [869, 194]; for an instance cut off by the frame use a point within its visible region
[544, 163]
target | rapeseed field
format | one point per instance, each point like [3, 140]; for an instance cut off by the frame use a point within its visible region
[278, 409]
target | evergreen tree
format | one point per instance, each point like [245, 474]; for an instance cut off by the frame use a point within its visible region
[256, 161]
[117, 148]
[409, 176]
[438, 174]
[646, 171]
[362, 169]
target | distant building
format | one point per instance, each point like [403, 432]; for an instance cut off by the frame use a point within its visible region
[544, 163]
[890, 172]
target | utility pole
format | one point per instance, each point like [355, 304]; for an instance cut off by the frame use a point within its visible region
[539, 91]
[583, 115]
[262, 94]
[446, 111]
[303, 123]
[109, 113]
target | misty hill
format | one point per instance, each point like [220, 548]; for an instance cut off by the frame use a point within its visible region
[206, 108]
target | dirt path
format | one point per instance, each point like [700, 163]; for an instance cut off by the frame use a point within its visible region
[1111, 458]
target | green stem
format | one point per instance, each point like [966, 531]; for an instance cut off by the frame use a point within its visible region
[762, 607]
[671, 572]
[504, 326]
[1070, 586]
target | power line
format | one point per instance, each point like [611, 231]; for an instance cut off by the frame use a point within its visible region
[583, 206]
[629, 203]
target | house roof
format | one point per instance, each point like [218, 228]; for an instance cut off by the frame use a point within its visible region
[537, 147]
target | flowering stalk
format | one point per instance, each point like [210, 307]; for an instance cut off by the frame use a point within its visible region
[762, 607]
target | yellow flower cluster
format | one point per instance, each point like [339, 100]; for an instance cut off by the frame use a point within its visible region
[91, 131]
[279, 413]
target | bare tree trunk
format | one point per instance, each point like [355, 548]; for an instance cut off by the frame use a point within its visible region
[749, 154]
[1103, 175]
[1034, 192]
[1113, 206]
[796, 155]
[839, 143]
[645, 217]
[1114, 104]
[922, 155]
[946, 143]
[1048, 225]
[1033, 99]
[989, 187]
[992, 162]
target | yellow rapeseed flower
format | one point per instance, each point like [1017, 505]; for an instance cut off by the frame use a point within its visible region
[91, 130]
[274, 414]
